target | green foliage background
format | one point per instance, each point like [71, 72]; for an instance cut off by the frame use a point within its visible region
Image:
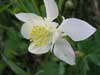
[14, 56]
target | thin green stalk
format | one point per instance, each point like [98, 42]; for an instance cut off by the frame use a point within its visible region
[35, 7]
[60, 2]
[21, 3]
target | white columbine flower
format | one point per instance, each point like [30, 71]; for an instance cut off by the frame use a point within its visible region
[46, 35]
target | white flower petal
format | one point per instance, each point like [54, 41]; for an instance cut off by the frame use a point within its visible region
[38, 50]
[77, 29]
[51, 9]
[52, 24]
[27, 17]
[64, 51]
[26, 30]
[56, 35]
[54, 39]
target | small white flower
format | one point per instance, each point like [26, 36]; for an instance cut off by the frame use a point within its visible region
[46, 35]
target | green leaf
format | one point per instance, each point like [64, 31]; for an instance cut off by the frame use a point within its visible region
[14, 44]
[83, 67]
[14, 67]
[50, 68]
[61, 68]
[97, 37]
[4, 5]
[29, 6]
[91, 50]
[95, 56]
[87, 46]
[2, 67]
[43, 11]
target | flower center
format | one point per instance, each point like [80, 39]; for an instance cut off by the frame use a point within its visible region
[40, 36]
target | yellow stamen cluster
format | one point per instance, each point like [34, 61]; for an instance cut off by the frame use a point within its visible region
[40, 36]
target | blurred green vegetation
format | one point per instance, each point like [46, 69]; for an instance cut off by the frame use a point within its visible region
[14, 56]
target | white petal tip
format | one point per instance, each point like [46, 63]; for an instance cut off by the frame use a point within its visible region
[77, 29]
[87, 36]
[64, 51]
[51, 9]
[72, 64]
[21, 17]
[18, 15]
[38, 50]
